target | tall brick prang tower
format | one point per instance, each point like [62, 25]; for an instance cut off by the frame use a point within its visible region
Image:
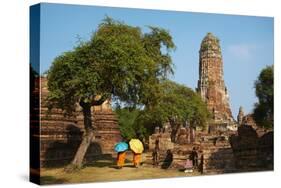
[211, 84]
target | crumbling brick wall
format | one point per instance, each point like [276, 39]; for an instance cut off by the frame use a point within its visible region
[253, 149]
[60, 135]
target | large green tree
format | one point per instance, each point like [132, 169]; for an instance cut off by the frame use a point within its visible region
[177, 105]
[264, 111]
[118, 61]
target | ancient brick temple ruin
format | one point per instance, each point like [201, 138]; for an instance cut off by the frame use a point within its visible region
[227, 145]
[211, 85]
[60, 135]
[222, 148]
[240, 115]
[250, 148]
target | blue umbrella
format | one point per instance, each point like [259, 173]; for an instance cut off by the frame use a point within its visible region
[121, 146]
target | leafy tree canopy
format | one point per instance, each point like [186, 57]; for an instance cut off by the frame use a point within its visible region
[118, 60]
[178, 105]
[264, 111]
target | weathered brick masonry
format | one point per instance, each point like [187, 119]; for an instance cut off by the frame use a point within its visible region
[211, 84]
[60, 135]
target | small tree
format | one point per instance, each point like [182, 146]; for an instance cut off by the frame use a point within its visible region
[116, 62]
[178, 105]
[127, 122]
[264, 111]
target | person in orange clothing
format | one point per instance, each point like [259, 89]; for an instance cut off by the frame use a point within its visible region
[137, 159]
[121, 157]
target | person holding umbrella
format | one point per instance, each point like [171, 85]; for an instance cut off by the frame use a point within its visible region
[121, 149]
[137, 148]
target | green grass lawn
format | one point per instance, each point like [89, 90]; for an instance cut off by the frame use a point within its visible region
[105, 170]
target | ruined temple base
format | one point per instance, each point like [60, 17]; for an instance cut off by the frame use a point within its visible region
[221, 151]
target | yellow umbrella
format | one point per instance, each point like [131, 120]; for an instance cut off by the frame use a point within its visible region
[136, 145]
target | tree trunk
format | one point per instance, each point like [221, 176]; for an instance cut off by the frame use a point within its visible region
[86, 139]
[173, 135]
[192, 134]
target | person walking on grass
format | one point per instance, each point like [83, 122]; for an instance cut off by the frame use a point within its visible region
[121, 149]
[155, 157]
[194, 157]
[155, 153]
[136, 159]
[121, 157]
[137, 148]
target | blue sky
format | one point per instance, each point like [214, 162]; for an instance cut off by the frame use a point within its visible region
[246, 41]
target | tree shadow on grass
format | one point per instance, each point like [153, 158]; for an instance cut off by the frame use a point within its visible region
[129, 166]
[106, 160]
[109, 162]
[101, 161]
[100, 164]
[47, 180]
